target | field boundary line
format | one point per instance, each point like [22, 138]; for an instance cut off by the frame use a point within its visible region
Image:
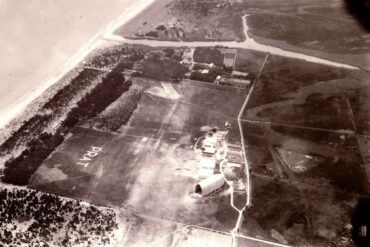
[340, 131]
[238, 224]
[121, 134]
[242, 134]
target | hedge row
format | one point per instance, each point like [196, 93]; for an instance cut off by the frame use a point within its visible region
[35, 125]
[120, 111]
[19, 170]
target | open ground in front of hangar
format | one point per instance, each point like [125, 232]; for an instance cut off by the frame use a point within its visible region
[150, 165]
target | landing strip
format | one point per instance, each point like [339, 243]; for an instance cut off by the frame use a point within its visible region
[149, 165]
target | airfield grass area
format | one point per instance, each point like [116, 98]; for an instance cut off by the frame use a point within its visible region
[148, 165]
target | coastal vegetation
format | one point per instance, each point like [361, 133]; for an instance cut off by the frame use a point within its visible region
[19, 169]
[38, 123]
[100, 84]
[30, 218]
[208, 55]
[120, 111]
[159, 68]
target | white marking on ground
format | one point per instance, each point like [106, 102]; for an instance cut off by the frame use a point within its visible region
[165, 91]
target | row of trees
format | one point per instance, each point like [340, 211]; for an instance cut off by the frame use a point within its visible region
[163, 66]
[120, 111]
[19, 170]
[208, 55]
[35, 125]
[159, 68]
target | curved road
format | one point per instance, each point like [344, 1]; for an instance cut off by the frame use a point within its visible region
[248, 43]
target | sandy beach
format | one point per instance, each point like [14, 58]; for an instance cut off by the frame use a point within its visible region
[16, 94]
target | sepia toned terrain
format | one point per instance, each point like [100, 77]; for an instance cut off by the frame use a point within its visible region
[119, 147]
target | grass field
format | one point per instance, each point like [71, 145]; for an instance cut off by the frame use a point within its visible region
[169, 20]
[301, 128]
[334, 35]
[291, 91]
[324, 29]
[308, 213]
[249, 61]
[307, 153]
[359, 101]
[148, 165]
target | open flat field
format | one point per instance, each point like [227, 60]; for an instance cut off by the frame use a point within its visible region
[304, 190]
[180, 20]
[290, 152]
[330, 29]
[309, 213]
[326, 29]
[291, 91]
[338, 32]
[305, 129]
[148, 165]
[249, 61]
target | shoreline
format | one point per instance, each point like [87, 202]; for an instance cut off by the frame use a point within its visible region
[19, 106]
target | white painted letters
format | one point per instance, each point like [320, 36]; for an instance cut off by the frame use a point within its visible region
[93, 152]
[82, 164]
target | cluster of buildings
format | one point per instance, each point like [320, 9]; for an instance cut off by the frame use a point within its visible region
[220, 162]
[216, 3]
[171, 33]
[226, 75]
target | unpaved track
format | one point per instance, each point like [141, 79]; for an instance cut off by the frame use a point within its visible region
[248, 43]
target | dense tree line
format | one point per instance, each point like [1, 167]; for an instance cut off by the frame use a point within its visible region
[112, 86]
[19, 170]
[156, 67]
[51, 215]
[198, 76]
[32, 126]
[208, 55]
[79, 83]
[113, 56]
[120, 111]
[162, 65]
[35, 125]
